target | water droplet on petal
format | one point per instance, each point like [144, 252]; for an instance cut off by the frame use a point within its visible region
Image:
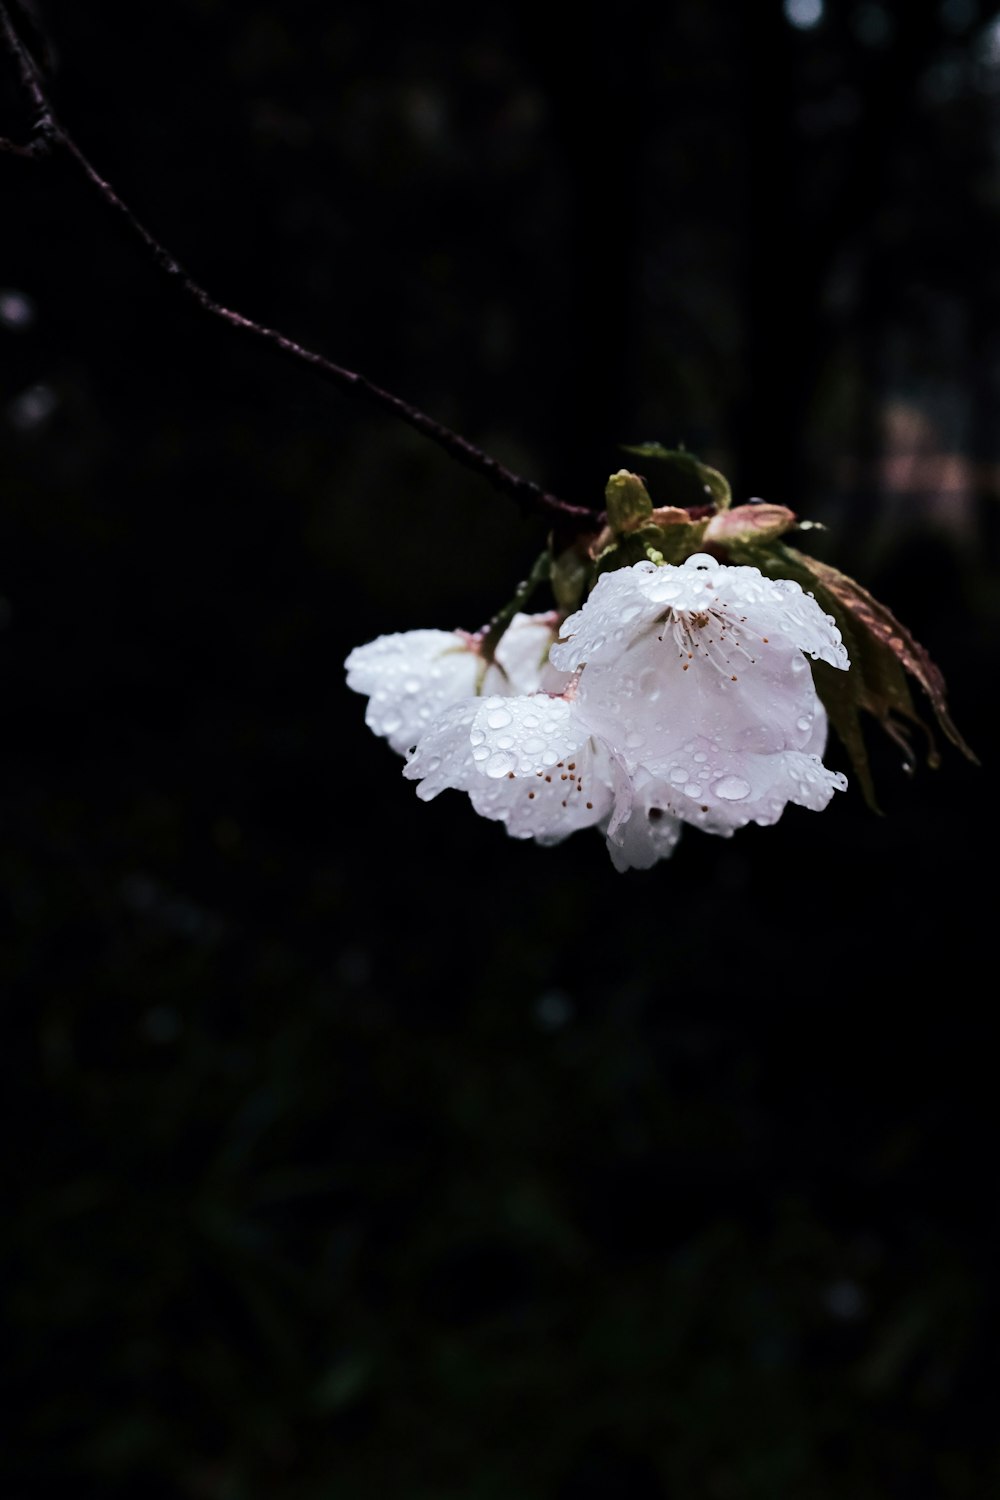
[481, 753]
[731, 788]
[649, 684]
[679, 775]
[498, 718]
[500, 763]
[391, 722]
[701, 560]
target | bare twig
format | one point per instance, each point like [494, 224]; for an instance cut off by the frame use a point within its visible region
[49, 131]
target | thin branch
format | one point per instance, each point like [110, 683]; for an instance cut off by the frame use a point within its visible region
[50, 131]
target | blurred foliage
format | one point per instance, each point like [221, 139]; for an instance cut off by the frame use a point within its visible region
[355, 1149]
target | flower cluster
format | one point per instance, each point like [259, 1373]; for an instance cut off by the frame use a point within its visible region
[676, 694]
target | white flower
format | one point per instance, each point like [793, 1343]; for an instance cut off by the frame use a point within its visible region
[697, 677]
[411, 677]
[674, 695]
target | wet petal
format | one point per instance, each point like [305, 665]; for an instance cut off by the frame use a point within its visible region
[546, 803]
[644, 831]
[522, 662]
[519, 736]
[409, 678]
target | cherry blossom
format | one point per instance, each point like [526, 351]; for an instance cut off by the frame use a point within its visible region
[697, 676]
[676, 694]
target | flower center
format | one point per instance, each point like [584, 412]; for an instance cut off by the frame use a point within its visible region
[708, 634]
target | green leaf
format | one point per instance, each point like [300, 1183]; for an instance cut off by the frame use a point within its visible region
[687, 480]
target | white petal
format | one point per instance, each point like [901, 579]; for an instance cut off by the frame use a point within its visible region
[616, 610]
[720, 791]
[522, 663]
[518, 736]
[550, 805]
[647, 832]
[443, 756]
[743, 694]
[547, 804]
[409, 678]
[623, 605]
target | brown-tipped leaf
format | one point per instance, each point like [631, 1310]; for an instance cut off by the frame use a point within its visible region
[882, 652]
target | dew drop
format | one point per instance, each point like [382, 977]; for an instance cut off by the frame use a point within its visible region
[498, 718]
[505, 741]
[629, 613]
[731, 788]
[411, 685]
[634, 740]
[804, 723]
[391, 722]
[678, 775]
[649, 684]
[500, 763]
[700, 560]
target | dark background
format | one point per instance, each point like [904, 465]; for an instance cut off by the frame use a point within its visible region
[354, 1149]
